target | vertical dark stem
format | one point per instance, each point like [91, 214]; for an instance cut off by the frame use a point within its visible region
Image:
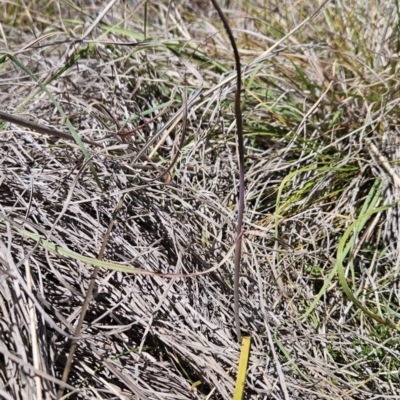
[239, 126]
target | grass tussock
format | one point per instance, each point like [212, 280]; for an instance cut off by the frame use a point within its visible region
[319, 280]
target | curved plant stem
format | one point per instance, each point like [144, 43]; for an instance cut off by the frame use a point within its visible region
[239, 126]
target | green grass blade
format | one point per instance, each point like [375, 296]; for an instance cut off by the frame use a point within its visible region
[341, 256]
[69, 253]
[344, 248]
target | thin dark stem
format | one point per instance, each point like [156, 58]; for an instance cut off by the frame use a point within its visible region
[239, 125]
[88, 297]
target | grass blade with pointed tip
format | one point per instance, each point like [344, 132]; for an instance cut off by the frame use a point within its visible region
[105, 264]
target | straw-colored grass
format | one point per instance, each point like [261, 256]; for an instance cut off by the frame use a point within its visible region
[319, 290]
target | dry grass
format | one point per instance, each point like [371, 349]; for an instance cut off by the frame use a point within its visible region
[321, 114]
